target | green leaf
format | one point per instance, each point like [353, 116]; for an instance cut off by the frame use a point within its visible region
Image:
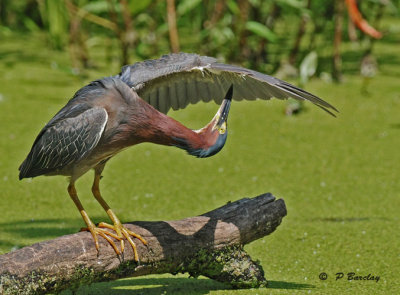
[233, 7]
[298, 4]
[261, 30]
[57, 23]
[96, 7]
[187, 5]
[137, 6]
[31, 25]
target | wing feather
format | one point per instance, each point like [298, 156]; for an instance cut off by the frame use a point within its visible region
[173, 97]
[181, 93]
[163, 99]
[153, 98]
[64, 142]
[192, 92]
[204, 91]
[191, 78]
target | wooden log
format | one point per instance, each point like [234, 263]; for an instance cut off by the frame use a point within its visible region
[209, 245]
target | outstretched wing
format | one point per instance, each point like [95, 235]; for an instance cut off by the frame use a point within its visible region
[65, 140]
[176, 80]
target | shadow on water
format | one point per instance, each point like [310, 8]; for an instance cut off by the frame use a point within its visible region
[289, 285]
[150, 286]
[40, 229]
[341, 219]
[346, 219]
[153, 286]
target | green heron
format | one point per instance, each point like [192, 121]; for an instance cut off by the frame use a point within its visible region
[113, 113]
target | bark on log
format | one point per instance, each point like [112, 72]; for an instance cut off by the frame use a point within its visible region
[209, 245]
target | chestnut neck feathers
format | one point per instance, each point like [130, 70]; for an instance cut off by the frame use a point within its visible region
[161, 129]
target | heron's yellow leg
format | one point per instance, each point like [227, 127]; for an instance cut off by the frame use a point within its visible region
[95, 231]
[120, 230]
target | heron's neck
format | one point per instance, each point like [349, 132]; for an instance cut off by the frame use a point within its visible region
[158, 128]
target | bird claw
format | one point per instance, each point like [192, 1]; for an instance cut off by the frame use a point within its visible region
[121, 233]
[98, 231]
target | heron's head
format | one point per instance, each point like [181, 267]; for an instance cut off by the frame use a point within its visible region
[215, 133]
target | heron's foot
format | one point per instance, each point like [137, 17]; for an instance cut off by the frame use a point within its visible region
[99, 231]
[124, 233]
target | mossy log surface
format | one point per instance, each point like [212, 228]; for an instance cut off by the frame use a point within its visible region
[209, 245]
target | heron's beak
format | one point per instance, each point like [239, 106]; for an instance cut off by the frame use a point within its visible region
[222, 114]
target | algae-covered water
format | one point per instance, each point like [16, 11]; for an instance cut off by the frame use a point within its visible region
[338, 176]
